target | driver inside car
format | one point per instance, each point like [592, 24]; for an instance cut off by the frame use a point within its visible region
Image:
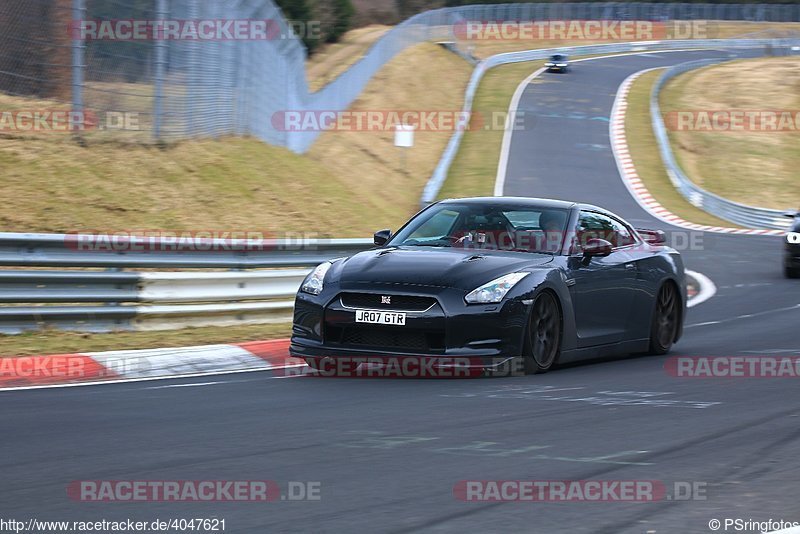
[552, 224]
[489, 231]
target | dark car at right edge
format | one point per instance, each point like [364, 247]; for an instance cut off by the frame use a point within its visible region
[791, 256]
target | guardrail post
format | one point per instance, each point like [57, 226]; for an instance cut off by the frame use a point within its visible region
[161, 60]
[78, 65]
[118, 286]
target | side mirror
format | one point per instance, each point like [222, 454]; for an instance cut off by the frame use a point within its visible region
[382, 237]
[596, 248]
[791, 214]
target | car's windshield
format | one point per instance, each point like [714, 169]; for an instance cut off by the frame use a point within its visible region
[495, 226]
[558, 58]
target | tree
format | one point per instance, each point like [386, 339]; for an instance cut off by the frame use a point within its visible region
[299, 11]
[409, 8]
[343, 13]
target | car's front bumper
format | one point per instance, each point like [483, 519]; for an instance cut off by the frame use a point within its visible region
[346, 362]
[449, 332]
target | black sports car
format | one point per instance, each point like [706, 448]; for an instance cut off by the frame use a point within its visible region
[496, 280]
[558, 63]
[791, 258]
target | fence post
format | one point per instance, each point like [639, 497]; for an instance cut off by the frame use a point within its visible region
[161, 60]
[78, 58]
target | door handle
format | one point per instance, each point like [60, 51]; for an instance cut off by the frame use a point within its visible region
[630, 266]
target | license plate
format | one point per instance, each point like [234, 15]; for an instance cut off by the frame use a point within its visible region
[380, 317]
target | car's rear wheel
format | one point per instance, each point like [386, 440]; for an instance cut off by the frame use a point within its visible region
[543, 338]
[665, 320]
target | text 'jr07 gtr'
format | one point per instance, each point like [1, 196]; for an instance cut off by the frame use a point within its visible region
[497, 280]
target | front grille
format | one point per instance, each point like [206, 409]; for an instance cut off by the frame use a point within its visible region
[375, 301]
[387, 338]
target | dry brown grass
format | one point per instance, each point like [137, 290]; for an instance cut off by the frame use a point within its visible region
[57, 186]
[649, 165]
[425, 78]
[755, 168]
[348, 185]
[333, 59]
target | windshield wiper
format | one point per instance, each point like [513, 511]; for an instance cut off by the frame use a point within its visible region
[529, 251]
[439, 245]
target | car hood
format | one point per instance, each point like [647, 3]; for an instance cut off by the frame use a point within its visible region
[442, 267]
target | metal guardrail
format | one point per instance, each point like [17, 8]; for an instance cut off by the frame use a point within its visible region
[72, 250]
[113, 299]
[741, 214]
[439, 176]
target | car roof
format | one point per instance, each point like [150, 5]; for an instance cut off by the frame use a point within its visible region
[529, 202]
[521, 202]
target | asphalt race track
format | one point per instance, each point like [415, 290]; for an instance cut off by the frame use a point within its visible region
[388, 453]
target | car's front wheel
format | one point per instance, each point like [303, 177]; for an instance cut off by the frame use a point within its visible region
[791, 272]
[665, 320]
[543, 338]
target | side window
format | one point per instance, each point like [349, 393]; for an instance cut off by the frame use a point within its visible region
[628, 238]
[593, 226]
[624, 235]
[597, 226]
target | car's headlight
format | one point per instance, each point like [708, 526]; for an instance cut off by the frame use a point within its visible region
[316, 281]
[549, 64]
[561, 64]
[496, 290]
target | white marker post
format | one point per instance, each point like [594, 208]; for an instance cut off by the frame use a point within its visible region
[404, 139]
